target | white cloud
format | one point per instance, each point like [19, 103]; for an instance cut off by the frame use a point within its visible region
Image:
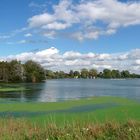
[49, 34]
[40, 20]
[34, 41]
[86, 35]
[28, 35]
[137, 62]
[82, 63]
[22, 41]
[56, 26]
[53, 59]
[113, 14]
[71, 55]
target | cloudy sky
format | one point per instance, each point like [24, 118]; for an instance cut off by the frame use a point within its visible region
[72, 34]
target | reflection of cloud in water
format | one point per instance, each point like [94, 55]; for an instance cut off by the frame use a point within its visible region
[56, 90]
[22, 97]
[46, 95]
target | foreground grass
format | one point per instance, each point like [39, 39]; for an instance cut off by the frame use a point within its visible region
[14, 129]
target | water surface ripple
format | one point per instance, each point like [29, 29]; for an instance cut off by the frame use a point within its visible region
[65, 89]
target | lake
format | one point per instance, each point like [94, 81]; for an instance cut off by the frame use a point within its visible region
[64, 89]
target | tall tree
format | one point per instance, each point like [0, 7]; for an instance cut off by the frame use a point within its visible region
[4, 71]
[107, 73]
[76, 74]
[93, 73]
[125, 74]
[84, 73]
[34, 72]
[50, 74]
[115, 74]
[71, 74]
[16, 71]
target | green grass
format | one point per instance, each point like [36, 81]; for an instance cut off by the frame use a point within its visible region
[125, 110]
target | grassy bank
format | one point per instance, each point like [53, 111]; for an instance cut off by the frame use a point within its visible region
[23, 130]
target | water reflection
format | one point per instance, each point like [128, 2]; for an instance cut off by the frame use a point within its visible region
[58, 90]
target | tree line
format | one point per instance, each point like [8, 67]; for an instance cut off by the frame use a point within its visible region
[91, 74]
[30, 71]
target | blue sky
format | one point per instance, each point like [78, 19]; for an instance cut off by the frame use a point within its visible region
[15, 13]
[83, 26]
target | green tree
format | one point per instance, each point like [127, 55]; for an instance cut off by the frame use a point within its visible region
[93, 73]
[100, 75]
[107, 73]
[50, 74]
[16, 73]
[76, 74]
[71, 74]
[34, 72]
[115, 74]
[125, 74]
[4, 71]
[62, 74]
[84, 73]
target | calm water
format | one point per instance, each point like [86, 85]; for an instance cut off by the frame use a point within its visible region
[58, 90]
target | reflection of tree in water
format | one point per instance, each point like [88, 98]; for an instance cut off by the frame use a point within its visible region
[34, 91]
[32, 94]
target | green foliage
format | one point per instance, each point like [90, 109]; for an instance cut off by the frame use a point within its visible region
[107, 73]
[77, 74]
[84, 73]
[71, 74]
[14, 71]
[50, 74]
[11, 71]
[125, 74]
[115, 74]
[34, 72]
[93, 73]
